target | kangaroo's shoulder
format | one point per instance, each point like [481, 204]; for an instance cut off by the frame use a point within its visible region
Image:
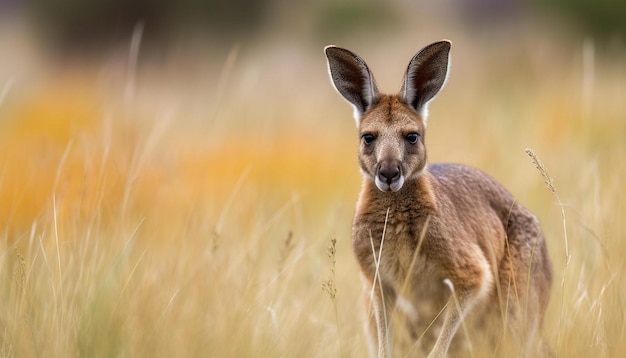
[469, 185]
[460, 173]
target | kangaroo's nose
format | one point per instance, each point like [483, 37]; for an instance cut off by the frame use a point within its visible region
[388, 172]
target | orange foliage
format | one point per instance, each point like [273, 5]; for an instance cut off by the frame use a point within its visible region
[60, 151]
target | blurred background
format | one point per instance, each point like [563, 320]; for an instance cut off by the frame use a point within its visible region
[172, 172]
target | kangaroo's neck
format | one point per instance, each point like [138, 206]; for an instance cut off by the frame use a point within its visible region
[417, 194]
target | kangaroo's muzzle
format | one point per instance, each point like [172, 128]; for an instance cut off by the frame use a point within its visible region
[389, 176]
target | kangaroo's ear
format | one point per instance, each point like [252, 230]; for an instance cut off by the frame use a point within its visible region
[352, 79]
[426, 75]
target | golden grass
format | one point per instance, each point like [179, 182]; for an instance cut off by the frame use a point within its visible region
[138, 230]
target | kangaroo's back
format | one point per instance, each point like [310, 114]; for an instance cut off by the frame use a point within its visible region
[441, 245]
[520, 256]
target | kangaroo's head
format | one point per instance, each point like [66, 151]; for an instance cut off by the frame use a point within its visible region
[391, 127]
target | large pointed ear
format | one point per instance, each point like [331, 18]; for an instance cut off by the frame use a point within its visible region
[426, 75]
[352, 79]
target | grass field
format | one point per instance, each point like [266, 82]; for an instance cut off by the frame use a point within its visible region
[185, 206]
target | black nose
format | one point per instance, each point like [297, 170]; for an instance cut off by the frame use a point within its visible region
[388, 172]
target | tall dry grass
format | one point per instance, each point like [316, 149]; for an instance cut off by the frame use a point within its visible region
[191, 215]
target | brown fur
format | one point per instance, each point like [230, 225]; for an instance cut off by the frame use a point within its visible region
[446, 223]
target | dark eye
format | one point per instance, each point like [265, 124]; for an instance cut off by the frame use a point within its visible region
[412, 138]
[368, 138]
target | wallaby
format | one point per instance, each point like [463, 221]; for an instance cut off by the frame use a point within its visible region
[443, 245]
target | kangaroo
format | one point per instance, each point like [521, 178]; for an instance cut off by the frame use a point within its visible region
[444, 246]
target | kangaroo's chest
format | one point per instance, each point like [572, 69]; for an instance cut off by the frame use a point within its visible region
[398, 251]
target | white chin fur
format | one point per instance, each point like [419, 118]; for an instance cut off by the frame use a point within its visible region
[395, 186]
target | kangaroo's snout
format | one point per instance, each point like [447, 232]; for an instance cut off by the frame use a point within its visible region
[389, 176]
[389, 172]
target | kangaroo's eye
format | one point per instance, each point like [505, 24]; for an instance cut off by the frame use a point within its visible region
[412, 137]
[368, 138]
